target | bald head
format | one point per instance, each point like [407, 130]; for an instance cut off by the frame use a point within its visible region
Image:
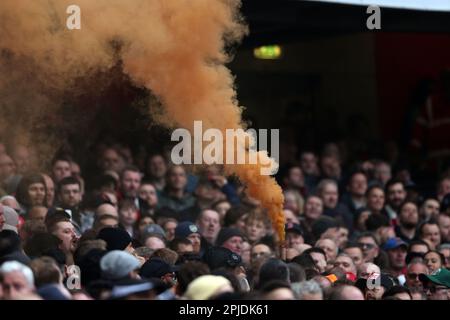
[106, 209]
[346, 292]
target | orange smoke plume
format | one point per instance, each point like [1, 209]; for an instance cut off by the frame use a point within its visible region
[175, 48]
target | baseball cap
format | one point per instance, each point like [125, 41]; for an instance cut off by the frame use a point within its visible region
[117, 264]
[218, 257]
[441, 276]
[394, 243]
[131, 286]
[156, 268]
[11, 219]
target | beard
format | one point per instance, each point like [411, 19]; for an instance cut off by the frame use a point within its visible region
[408, 225]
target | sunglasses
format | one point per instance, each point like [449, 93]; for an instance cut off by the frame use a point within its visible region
[413, 276]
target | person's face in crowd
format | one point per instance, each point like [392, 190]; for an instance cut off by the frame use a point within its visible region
[290, 217]
[70, 195]
[106, 209]
[7, 167]
[361, 221]
[444, 187]
[431, 233]
[330, 195]
[397, 257]
[131, 182]
[345, 263]
[222, 209]
[446, 253]
[444, 227]
[356, 254]
[409, 215]
[396, 195]
[320, 261]
[433, 262]
[143, 222]
[290, 201]
[291, 253]
[375, 199]
[384, 233]
[177, 178]
[260, 252]
[367, 269]
[245, 252]
[65, 231]
[36, 194]
[329, 247]
[169, 228]
[436, 291]
[234, 244]
[358, 185]
[383, 172]
[23, 158]
[429, 209]
[374, 293]
[38, 213]
[342, 237]
[313, 208]
[75, 170]
[111, 161]
[255, 230]
[209, 224]
[280, 294]
[240, 223]
[309, 164]
[195, 240]
[294, 239]
[412, 276]
[296, 178]
[157, 167]
[61, 169]
[154, 243]
[50, 186]
[15, 286]
[418, 248]
[128, 216]
[369, 247]
[147, 192]
[331, 167]
[185, 248]
[208, 192]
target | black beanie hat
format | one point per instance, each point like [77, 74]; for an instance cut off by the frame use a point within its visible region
[227, 233]
[115, 238]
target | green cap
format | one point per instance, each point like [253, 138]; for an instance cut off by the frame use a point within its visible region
[441, 276]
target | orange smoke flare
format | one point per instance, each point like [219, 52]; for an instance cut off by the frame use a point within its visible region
[175, 48]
